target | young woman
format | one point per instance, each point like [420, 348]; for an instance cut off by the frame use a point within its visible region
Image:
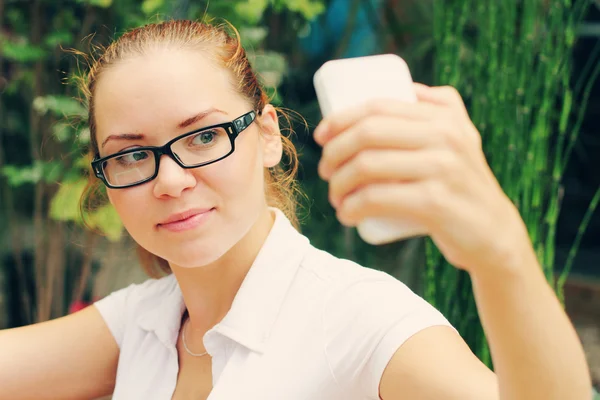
[189, 148]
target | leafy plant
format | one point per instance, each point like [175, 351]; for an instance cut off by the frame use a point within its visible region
[512, 60]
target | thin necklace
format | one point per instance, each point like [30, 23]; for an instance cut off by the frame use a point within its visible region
[185, 344]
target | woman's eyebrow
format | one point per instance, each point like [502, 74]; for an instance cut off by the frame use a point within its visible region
[192, 120]
[183, 124]
[123, 136]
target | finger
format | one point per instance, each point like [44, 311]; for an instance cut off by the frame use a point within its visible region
[442, 95]
[375, 133]
[446, 96]
[384, 200]
[335, 123]
[381, 166]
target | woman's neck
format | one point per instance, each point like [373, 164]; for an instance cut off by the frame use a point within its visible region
[208, 291]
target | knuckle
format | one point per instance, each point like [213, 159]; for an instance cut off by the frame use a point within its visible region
[369, 196]
[363, 162]
[375, 106]
[435, 196]
[327, 154]
[449, 131]
[367, 127]
[451, 92]
[475, 136]
[443, 164]
[333, 186]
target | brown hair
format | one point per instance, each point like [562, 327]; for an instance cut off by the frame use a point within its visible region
[281, 188]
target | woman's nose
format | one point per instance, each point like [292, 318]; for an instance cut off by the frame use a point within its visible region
[172, 180]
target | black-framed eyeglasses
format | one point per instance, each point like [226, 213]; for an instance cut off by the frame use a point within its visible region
[194, 149]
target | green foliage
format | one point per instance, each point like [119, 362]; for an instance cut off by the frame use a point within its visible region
[253, 10]
[60, 106]
[97, 3]
[65, 207]
[47, 172]
[513, 63]
[152, 6]
[65, 203]
[58, 38]
[20, 51]
[107, 221]
[62, 131]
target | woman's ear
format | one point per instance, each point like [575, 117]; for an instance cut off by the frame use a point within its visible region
[271, 137]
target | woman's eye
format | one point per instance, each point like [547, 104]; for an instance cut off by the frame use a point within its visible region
[132, 158]
[204, 138]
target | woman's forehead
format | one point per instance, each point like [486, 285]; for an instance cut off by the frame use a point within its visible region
[163, 72]
[162, 85]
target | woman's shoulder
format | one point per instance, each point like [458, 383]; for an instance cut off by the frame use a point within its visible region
[153, 290]
[361, 299]
[126, 305]
[339, 274]
[366, 316]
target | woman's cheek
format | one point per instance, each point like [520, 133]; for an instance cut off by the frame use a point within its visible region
[133, 206]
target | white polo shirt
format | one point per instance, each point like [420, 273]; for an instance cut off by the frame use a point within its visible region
[303, 325]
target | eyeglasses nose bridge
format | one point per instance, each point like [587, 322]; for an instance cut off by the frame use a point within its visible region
[167, 151]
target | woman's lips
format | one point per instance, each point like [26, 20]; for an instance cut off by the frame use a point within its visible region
[187, 220]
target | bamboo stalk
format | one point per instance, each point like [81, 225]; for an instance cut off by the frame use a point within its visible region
[573, 251]
[8, 201]
[35, 143]
[519, 73]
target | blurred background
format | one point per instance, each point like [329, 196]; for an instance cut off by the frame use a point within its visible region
[528, 70]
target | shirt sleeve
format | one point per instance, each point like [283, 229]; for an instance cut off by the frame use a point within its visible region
[365, 323]
[114, 310]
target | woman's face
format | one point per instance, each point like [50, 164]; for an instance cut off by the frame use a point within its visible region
[150, 99]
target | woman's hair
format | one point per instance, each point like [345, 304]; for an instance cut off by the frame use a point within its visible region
[226, 50]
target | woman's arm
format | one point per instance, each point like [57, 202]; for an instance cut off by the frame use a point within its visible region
[74, 357]
[424, 162]
[535, 350]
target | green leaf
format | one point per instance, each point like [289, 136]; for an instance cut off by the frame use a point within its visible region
[270, 66]
[107, 221]
[21, 175]
[252, 36]
[62, 131]
[82, 162]
[251, 10]
[566, 111]
[21, 51]
[309, 9]
[52, 171]
[60, 106]
[151, 6]
[83, 136]
[98, 3]
[57, 38]
[64, 206]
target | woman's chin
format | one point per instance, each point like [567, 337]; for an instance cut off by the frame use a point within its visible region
[196, 258]
[201, 260]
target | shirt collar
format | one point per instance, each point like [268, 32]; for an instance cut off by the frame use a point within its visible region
[259, 299]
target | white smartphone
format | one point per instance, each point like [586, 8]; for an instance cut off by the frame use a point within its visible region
[350, 82]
